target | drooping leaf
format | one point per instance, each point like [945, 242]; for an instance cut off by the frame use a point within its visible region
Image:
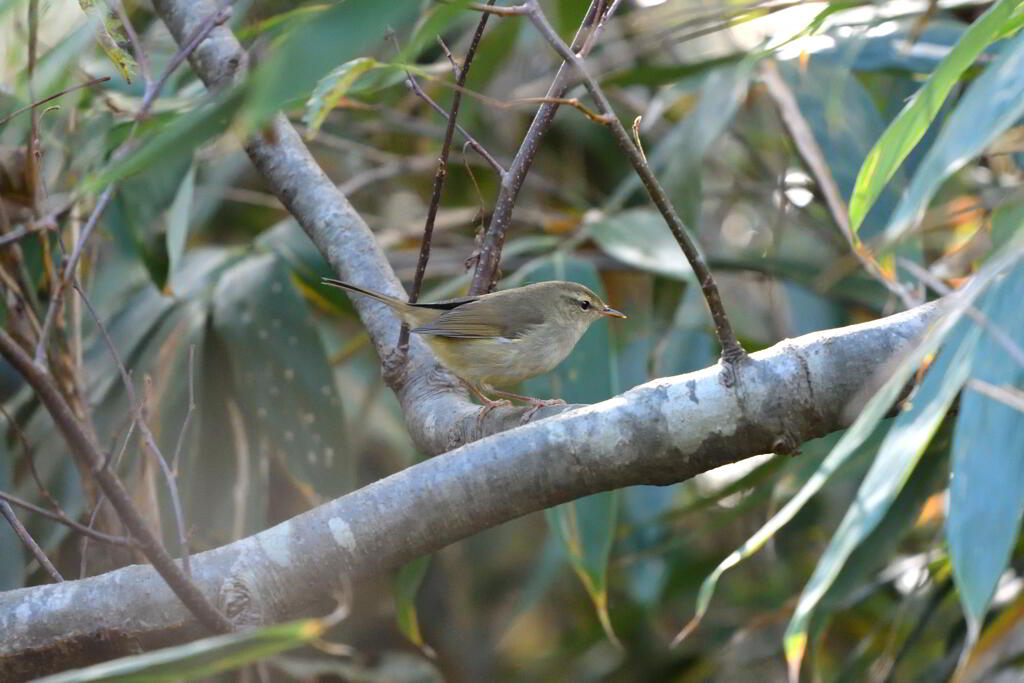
[985, 501]
[407, 585]
[332, 88]
[178, 219]
[993, 103]
[852, 438]
[911, 123]
[896, 460]
[110, 35]
[200, 658]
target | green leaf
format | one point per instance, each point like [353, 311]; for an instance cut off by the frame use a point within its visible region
[313, 45]
[907, 439]
[110, 35]
[910, 125]
[407, 585]
[332, 88]
[640, 238]
[137, 211]
[435, 20]
[586, 528]
[179, 138]
[993, 103]
[282, 377]
[178, 219]
[852, 439]
[200, 658]
[985, 502]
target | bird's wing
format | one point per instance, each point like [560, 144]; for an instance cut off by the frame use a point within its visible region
[483, 318]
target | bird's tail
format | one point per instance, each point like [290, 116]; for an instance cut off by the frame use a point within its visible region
[389, 300]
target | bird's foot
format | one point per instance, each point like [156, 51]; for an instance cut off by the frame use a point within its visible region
[536, 404]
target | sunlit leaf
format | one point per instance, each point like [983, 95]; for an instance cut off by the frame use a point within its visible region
[866, 422]
[985, 501]
[897, 458]
[332, 88]
[200, 658]
[911, 123]
[993, 103]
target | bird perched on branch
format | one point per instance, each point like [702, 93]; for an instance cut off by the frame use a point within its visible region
[504, 337]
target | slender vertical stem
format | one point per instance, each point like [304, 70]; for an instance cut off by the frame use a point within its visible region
[732, 350]
[488, 256]
[30, 543]
[441, 174]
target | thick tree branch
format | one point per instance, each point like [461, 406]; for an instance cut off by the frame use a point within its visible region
[662, 432]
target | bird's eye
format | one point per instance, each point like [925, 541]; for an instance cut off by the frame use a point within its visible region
[585, 305]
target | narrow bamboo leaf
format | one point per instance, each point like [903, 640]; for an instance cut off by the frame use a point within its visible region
[332, 88]
[910, 125]
[178, 219]
[407, 585]
[852, 438]
[993, 103]
[586, 528]
[985, 502]
[907, 439]
[179, 137]
[110, 35]
[200, 658]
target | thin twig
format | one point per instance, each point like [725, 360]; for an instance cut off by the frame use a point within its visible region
[69, 271]
[30, 543]
[488, 255]
[732, 350]
[84, 448]
[198, 35]
[1009, 395]
[52, 97]
[470, 140]
[441, 174]
[30, 457]
[501, 10]
[191, 408]
[67, 521]
[12, 237]
[137, 409]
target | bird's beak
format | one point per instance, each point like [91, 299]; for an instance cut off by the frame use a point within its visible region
[612, 313]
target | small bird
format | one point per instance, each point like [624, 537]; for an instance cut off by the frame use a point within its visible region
[504, 337]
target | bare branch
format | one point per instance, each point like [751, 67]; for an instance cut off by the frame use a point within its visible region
[30, 543]
[149, 440]
[732, 351]
[442, 171]
[67, 521]
[84, 449]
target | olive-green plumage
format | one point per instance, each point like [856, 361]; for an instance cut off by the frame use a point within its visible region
[504, 337]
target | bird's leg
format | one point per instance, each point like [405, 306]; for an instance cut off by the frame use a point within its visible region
[535, 403]
[488, 402]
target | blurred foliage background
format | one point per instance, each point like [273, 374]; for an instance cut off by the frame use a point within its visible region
[209, 290]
